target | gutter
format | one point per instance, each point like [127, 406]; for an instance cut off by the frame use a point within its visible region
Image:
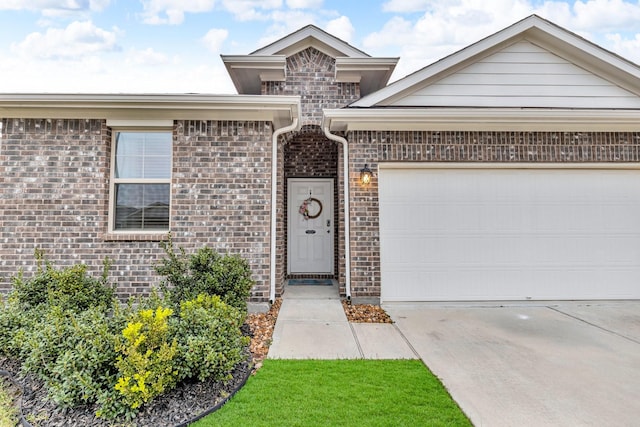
[345, 180]
[274, 196]
[483, 119]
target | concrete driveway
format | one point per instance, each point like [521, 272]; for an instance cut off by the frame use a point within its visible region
[561, 364]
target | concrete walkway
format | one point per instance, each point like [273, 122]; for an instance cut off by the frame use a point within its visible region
[312, 325]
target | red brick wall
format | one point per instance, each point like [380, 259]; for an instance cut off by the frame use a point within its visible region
[500, 147]
[55, 189]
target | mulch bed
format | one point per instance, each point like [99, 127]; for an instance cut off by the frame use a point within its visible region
[365, 313]
[262, 325]
[183, 403]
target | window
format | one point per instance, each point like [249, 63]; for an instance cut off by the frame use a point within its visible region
[141, 181]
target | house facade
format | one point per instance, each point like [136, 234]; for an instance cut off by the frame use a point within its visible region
[506, 171]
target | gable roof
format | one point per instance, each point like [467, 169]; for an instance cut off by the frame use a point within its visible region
[311, 36]
[579, 73]
[269, 63]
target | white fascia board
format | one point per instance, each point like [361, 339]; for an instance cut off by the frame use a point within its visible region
[277, 109]
[357, 66]
[387, 63]
[479, 119]
[254, 61]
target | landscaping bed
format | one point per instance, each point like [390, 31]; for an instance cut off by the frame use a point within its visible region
[188, 400]
[184, 403]
[172, 357]
[85, 358]
[174, 408]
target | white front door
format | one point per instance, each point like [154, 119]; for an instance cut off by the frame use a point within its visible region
[310, 232]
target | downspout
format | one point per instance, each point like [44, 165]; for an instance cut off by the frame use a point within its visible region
[274, 197]
[345, 180]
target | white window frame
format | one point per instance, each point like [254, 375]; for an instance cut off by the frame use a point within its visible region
[159, 126]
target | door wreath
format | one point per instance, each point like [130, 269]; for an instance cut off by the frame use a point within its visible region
[304, 208]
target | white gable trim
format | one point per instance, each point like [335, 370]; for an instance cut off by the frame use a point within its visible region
[311, 36]
[535, 29]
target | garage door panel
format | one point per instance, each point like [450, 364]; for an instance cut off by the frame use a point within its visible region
[483, 234]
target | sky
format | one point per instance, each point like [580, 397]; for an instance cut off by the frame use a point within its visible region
[174, 46]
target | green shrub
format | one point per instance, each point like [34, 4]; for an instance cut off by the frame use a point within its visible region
[210, 342]
[205, 272]
[71, 288]
[14, 322]
[145, 361]
[67, 330]
[73, 353]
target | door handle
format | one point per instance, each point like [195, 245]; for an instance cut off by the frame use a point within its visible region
[310, 231]
[328, 223]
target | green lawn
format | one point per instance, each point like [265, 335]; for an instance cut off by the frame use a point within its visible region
[340, 392]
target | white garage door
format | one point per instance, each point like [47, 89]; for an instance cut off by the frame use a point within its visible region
[507, 234]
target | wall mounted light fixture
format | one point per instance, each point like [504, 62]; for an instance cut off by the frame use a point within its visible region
[365, 175]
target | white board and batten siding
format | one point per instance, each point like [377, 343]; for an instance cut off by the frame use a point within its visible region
[509, 234]
[522, 75]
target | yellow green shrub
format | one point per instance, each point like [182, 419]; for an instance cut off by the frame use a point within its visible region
[146, 357]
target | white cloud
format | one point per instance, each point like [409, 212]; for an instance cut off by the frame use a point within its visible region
[284, 23]
[55, 7]
[402, 30]
[214, 39]
[626, 47]
[342, 28]
[95, 75]
[146, 57]
[77, 40]
[305, 4]
[606, 15]
[251, 10]
[172, 11]
[447, 26]
[406, 5]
